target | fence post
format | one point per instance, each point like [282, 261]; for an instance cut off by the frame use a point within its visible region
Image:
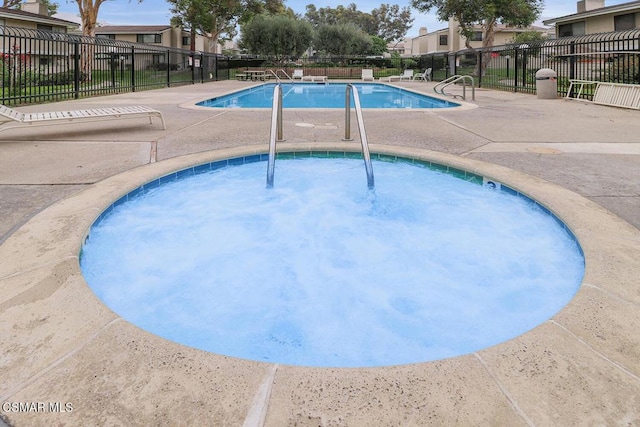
[133, 69]
[168, 69]
[515, 69]
[76, 68]
[480, 70]
[572, 60]
[193, 66]
[201, 67]
[524, 69]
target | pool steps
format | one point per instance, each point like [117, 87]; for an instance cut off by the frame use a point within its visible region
[275, 133]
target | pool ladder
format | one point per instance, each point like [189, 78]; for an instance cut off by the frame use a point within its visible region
[276, 131]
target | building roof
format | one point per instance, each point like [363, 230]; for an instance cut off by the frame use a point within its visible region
[132, 29]
[607, 10]
[34, 17]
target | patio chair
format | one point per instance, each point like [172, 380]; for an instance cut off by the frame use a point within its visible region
[408, 75]
[367, 74]
[426, 76]
[297, 74]
[9, 115]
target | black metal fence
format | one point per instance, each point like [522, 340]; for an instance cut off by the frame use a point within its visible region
[42, 66]
[606, 57]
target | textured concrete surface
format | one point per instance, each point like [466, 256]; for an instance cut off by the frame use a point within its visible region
[68, 360]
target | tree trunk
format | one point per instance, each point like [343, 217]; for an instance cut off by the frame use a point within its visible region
[89, 17]
[488, 37]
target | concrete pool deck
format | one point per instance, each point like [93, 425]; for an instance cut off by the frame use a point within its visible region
[68, 360]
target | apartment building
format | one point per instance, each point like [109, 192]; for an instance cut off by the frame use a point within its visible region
[592, 16]
[449, 39]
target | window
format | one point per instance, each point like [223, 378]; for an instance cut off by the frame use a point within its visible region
[443, 40]
[573, 29]
[624, 22]
[186, 41]
[45, 27]
[106, 36]
[149, 38]
[477, 36]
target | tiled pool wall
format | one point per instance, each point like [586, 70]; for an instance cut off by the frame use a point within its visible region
[242, 160]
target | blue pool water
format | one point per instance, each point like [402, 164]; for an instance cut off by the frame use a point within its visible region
[327, 95]
[321, 271]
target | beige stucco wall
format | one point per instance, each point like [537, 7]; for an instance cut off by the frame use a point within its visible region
[599, 24]
[429, 43]
[10, 22]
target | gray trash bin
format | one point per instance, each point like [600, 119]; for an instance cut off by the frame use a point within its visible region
[546, 83]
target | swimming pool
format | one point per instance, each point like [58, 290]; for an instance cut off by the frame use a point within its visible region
[405, 274]
[327, 95]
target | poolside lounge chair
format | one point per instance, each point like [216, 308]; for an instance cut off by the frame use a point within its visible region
[315, 78]
[297, 74]
[426, 76]
[367, 74]
[408, 75]
[8, 115]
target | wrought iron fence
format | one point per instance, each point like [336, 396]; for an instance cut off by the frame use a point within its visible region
[41, 66]
[606, 57]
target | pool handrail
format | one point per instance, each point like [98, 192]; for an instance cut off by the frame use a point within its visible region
[363, 134]
[439, 88]
[275, 74]
[276, 132]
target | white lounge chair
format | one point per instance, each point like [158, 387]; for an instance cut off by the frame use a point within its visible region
[426, 76]
[9, 115]
[408, 75]
[297, 74]
[315, 78]
[367, 74]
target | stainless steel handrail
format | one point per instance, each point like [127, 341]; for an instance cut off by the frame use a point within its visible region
[275, 74]
[454, 79]
[285, 73]
[363, 134]
[276, 132]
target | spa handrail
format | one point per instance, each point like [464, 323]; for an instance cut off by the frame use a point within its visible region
[363, 134]
[276, 132]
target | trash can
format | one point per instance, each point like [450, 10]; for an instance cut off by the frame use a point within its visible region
[546, 83]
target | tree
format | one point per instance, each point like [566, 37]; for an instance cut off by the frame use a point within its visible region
[342, 39]
[387, 22]
[89, 15]
[11, 3]
[52, 8]
[280, 36]
[486, 13]
[214, 19]
[528, 37]
[392, 22]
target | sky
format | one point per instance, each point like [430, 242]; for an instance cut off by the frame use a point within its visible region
[156, 12]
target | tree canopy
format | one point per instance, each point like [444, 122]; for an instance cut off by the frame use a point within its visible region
[52, 8]
[342, 39]
[487, 13]
[389, 22]
[280, 36]
[214, 19]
